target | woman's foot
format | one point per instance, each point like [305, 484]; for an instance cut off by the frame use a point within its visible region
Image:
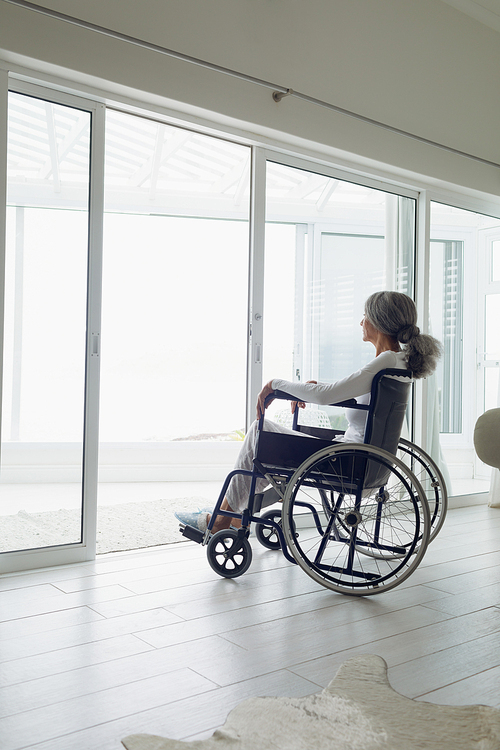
[201, 518]
[198, 519]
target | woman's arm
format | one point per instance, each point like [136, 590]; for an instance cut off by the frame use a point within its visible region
[265, 392]
[354, 385]
[301, 404]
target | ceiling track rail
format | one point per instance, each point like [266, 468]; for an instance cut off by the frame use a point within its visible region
[278, 92]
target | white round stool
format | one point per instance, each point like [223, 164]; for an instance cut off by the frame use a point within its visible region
[487, 437]
[487, 445]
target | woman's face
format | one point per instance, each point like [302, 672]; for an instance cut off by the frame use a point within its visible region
[369, 330]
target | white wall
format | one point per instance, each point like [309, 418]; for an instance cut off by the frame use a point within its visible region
[417, 65]
[35, 463]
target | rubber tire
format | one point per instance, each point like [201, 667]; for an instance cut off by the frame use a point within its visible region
[266, 535]
[229, 555]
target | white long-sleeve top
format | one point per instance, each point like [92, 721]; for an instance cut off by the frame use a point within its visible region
[357, 385]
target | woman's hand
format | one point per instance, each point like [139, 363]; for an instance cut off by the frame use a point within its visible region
[301, 404]
[265, 392]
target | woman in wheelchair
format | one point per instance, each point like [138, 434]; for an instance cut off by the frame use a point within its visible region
[389, 323]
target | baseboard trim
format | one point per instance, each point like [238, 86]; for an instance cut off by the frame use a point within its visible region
[463, 501]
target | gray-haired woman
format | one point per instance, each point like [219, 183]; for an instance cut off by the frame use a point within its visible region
[390, 324]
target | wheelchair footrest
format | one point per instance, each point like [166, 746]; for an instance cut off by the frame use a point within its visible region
[191, 533]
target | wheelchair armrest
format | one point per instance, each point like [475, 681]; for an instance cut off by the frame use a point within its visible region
[281, 395]
[350, 403]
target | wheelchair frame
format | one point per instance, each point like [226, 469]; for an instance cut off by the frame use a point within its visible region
[371, 513]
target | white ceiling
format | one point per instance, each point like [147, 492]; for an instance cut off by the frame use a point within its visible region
[484, 11]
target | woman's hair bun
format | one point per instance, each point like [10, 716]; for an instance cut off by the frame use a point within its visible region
[395, 314]
[407, 333]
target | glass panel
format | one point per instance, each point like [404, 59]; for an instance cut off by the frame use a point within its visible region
[282, 245]
[491, 384]
[174, 324]
[446, 303]
[329, 245]
[464, 316]
[495, 260]
[45, 324]
[177, 351]
[349, 282]
[492, 351]
[491, 327]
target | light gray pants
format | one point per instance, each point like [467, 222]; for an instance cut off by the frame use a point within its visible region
[239, 488]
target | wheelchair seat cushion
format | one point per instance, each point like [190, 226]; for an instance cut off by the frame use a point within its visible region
[283, 450]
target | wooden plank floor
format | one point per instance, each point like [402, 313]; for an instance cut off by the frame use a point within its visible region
[153, 641]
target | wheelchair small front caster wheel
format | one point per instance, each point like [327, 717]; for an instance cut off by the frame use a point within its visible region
[229, 554]
[267, 535]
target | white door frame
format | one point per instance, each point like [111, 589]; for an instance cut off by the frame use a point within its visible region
[85, 550]
[485, 359]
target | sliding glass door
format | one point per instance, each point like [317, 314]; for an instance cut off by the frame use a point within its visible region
[329, 244]
[464, 294]
[174, 324]
[46, 400]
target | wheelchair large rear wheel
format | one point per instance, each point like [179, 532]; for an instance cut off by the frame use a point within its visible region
[431, 481]
[367, 539]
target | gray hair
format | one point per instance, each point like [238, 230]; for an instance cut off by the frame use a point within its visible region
[395, 315]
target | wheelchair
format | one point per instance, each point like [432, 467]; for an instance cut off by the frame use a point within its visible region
[356, 517]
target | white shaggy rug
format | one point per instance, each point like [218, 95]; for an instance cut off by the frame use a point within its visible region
[359, 710]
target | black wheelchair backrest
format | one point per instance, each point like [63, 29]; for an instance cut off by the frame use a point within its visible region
[389, 397]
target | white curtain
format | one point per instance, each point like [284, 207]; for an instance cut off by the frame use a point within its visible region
[433, 430]
[494, 494]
